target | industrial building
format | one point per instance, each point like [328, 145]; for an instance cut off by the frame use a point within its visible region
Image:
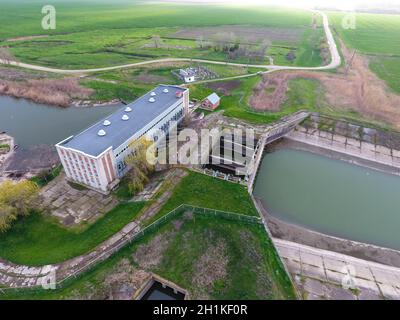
[96, 156]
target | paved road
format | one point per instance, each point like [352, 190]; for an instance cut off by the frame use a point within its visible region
[335, 60]
[321, 274]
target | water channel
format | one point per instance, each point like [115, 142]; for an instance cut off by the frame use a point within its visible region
[32, 123]
[331, 196]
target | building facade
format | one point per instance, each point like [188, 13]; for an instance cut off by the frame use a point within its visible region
[96, 156]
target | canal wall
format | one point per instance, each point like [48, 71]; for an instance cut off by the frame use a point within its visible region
[373, 154]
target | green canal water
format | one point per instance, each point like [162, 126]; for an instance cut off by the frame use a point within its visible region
[331, 196]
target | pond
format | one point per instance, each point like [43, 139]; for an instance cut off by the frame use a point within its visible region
[32, 123]
[331, 196]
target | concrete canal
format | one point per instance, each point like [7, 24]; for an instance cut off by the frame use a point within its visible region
[31, 123]
[331, 196]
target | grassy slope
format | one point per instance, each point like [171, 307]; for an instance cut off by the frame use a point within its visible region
[36, 240]
[97, 33]
[177, 265]
[376, 35]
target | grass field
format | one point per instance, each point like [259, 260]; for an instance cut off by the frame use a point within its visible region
[251, 266]
[129, 84]
[377, 36]
[302, 94]
[37, 240]
[97, 33]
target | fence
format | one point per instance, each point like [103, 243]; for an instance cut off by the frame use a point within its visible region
[153, 226]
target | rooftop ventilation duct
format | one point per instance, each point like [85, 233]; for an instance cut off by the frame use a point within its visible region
[128, 109]
[165, 90]
[153, 94]
[106, 122]
[152, 100]
[125, 117]
[101, 133]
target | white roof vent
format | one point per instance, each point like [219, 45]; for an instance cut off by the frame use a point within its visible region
[153, 94]
[152, 100]
[106, 122]
[165, 90]
[128, 109]
[125, 117]
[101, 133]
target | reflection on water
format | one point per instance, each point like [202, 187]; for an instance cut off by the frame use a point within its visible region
[31, 123]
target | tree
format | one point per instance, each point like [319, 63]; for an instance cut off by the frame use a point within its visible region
[6, 55]
[16, 199]
[156, 40]
[141, 163]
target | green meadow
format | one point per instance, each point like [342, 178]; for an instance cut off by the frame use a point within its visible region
[99, 33]
[377, 36]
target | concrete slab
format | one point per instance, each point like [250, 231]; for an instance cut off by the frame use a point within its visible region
[314, 287]
[339, 293]
[383, 150]
[311, 259]
[334, 264]
[367, 294]
[366, 284]
[389, 292]
[334, 276]
[314, 272]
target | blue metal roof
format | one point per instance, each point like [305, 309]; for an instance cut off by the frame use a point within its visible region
[213, 98]
[119, 131]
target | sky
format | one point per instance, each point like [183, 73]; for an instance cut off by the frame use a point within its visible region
[336, 4]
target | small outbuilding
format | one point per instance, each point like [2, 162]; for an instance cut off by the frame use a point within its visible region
[211, 102]
[188, 75]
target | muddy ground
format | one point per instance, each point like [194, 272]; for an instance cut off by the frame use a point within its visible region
[354, 87]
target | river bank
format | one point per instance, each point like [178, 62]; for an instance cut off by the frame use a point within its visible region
[65, 92]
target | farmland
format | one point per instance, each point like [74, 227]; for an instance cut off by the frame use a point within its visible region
[376, 36]
[96, 34]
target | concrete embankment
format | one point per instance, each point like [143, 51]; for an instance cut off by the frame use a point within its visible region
[357, 151]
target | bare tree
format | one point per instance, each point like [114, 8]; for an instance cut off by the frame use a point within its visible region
[141, 165]
[200, 41]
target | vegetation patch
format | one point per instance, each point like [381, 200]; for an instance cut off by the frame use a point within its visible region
[207, 246]
[203, 191]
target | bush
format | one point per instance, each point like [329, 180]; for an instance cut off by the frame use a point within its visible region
[15, 200]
